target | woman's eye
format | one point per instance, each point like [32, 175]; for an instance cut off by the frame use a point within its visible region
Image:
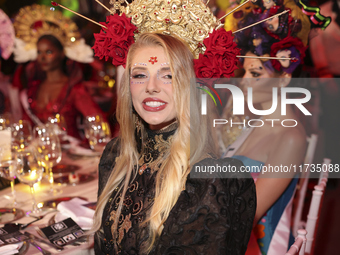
[49, 52]
[164, 75]
[168, 77]
[255, 74]
[139, 76]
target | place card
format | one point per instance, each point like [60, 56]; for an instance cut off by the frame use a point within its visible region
[63, 232]
[11, 235]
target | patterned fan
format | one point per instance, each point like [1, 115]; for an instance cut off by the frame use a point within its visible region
[6, 36]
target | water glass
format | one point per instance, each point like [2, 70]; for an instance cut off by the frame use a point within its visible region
[97, 132]
[21, 134]
[29, 171]
[48, 146]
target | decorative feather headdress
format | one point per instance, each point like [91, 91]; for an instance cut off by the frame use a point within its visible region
[285, 36]
[34, 21]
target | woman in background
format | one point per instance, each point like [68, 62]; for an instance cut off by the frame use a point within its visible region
[271, 144]
[56, 87]
[52, 79]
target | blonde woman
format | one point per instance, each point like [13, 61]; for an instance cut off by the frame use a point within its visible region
[148, 203]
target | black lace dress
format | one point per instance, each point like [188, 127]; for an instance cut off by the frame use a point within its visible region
[211, 216]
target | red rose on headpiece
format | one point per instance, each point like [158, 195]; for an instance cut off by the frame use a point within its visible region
[274, 10]
[285, 44]
[206, 67]
[229, 63]
[114, 42]
[119, 26]
[219, 59]
[118, 53]
[257, 11]
[219, 41]
[100, 45]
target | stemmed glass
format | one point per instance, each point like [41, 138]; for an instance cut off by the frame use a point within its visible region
[48, 146]
[8, 166]
[29, 171]
[21, 134]
[5, 121]
[97, 132]
[57, 121]
[8, 163]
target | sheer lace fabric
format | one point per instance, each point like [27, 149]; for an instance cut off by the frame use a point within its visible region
[211, 216]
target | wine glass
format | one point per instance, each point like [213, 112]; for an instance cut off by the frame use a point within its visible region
[57, 121]
[5, 121]
[29, 171]
[48, 146]
[21, 134]
[97, 132]
[8, 166]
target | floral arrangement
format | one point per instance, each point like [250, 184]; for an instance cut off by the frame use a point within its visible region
[115, 41]
[219, 59]
[297, 53]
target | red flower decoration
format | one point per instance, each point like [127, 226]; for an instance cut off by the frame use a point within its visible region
[274, 10]
[206, 67]
[115, 41]
[219, 59]
[286, 43]
[257, 11]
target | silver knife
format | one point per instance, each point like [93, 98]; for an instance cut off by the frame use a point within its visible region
[38, 239]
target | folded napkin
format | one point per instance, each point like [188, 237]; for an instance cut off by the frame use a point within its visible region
[74, 208]
[10, 249]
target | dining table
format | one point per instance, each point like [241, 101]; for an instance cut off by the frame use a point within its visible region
[85, 188]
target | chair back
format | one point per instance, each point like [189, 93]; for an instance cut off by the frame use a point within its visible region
[303, 183]
[298, 247]
[314, 209]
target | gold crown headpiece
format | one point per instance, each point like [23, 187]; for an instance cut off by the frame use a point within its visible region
[34, 21]
[190, 20]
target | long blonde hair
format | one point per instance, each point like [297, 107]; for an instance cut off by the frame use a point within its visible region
[172, 175]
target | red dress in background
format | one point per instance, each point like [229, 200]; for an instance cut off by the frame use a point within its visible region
[72, 102]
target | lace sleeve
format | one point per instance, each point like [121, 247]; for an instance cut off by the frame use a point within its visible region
[212, 216]
[107, 163]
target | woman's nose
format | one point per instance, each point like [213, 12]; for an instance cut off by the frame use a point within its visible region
[244, 83]
[41, 56]
[246, 75]
[152, 86]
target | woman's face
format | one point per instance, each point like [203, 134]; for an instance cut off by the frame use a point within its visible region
[151, 87]
[268, 4]
[260, 79]
[49, 56]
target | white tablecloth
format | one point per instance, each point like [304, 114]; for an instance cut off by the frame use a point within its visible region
[87, 190]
